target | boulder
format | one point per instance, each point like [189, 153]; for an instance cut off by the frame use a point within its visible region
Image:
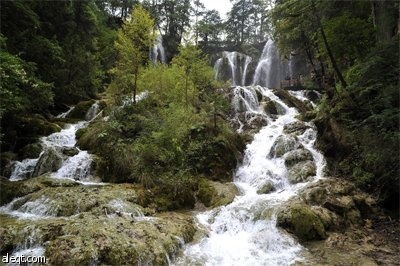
[266, 188]
[284, 144]
[30, 151]
[214, 194]
[296, 156]
[301, 220]
[301, 171]
[296, 127]
[70, 151]
[50, 161]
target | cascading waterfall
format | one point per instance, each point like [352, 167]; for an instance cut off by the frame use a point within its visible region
[268, 70]
[57, 146]
[157, 54]
[237, 63]
[245, 232]
[217, 67]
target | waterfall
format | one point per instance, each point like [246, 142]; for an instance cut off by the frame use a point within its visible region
[92, 112]
[244, 232]
[246, 64]
[59, 155]
[237, 63]
[267, 73]
[217, 67]
[158, 51]
[232, 59]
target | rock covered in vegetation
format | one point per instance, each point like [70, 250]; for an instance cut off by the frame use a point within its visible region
[49, 161]
[302, 221]
[296, 127]
[91, 224]
[301, 171]
[284, 144]
[214, 194]
[326, 206]
[266, 188]
[80, 110]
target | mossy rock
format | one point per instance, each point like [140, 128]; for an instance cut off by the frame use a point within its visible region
[270, 108]
[10, 190]
[30, 151]
[316, 195]
[80, 110]
[296, 156]
[266, 188]
[5, 160]
[50, 161]
[284, 144]
[92, 239]
[295, 127]
[302, 221]
[301, 171]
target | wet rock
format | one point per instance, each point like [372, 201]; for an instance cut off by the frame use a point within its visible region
[302, 221]
[49, 161]
[301, 171]
[284, 144]
[266, 188]
[88, 239]
[80, 110]
[214, 194]
[296, 156]
[270, 108]
[292, 101]
[30, 151]
[296, 127]
[312, 96]
[339, 205]
[70, 151]
[316, 195]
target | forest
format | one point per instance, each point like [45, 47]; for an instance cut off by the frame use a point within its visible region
[139, 132]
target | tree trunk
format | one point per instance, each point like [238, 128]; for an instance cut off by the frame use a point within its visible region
[135, 87]
[328, 49]
[385, 17]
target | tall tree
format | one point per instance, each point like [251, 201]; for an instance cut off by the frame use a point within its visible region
[133, 42]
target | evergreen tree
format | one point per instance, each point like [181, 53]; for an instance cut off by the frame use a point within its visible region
[133, 42]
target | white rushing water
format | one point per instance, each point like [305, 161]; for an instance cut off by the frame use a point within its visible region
[244, 232]
[76, 166]
[157, 54]
[268, 70]
[237, 63]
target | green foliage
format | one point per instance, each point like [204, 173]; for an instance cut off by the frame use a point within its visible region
[133, 42]
[350, 38]
[369, 109]
[20, 89]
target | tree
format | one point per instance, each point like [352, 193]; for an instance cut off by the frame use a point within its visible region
[133, 42]
[210, 27]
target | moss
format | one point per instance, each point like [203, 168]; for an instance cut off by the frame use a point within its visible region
[206, 193]
[214, 194]
[30, 151]
[301, 220]
[80, 110]
[296, 156]
[267, 188]
[270, 108]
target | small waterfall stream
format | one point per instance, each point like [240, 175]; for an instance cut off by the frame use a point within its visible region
[245, 232]
[157, 54]
[237, 64]
[71, 162]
